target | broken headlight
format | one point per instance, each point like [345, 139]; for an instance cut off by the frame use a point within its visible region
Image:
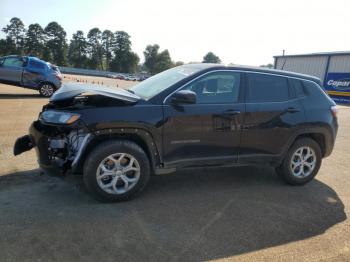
[56, 117]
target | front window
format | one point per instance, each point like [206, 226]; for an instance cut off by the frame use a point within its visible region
[158, 83]
[216, 88]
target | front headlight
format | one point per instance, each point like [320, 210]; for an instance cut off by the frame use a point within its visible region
[56, 117]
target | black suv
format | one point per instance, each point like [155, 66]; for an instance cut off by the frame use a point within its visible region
[194, 115]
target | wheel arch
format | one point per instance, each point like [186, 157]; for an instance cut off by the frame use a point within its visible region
[47, 82]
[322, 136]
[319, 138]
[138, 136]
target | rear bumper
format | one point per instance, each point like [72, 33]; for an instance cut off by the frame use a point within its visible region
[330, 139]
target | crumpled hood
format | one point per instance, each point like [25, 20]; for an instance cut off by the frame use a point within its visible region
[71, 90]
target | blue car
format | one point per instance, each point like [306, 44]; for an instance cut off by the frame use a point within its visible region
[30, 72]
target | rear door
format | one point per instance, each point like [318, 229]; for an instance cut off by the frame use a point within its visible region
[11, 69]
[34, 73]
[209, 131]
[272, 116]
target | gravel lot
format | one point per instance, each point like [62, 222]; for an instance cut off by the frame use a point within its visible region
[231, 214]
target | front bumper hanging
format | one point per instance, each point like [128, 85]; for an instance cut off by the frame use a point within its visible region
[23, 144]
[57, 152]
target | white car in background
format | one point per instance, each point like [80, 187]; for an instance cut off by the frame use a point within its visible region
[131, 78]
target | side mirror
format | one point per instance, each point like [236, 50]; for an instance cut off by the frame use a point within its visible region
[184, 97]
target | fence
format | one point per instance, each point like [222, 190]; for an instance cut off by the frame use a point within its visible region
[88, 72]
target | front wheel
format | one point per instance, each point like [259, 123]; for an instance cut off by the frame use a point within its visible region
[301, 163]
[46, 90]
[116, 171]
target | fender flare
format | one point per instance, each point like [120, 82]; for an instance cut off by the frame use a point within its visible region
[151, 148]
[325, 131]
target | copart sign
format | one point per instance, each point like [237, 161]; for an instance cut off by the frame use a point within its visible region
[338, 86]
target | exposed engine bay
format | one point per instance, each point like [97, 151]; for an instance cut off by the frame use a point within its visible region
[66, 149]
[60, 132]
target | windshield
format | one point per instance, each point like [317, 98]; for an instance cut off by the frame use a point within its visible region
[158, 83]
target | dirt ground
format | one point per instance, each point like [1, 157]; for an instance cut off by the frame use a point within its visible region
[242, 214]
[98, 80]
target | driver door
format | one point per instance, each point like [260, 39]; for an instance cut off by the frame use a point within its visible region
[207, 132]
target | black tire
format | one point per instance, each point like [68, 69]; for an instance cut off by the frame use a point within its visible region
[46, 89]
[285, 171]
[104, 150]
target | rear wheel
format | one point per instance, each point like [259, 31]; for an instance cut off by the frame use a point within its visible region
[116, 171]
[46, 90]
[301, 163]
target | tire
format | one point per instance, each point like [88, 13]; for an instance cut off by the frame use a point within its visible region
[46, 89]
[306, 174]
[103, 160]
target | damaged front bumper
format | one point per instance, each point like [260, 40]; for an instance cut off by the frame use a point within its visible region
[58, 149]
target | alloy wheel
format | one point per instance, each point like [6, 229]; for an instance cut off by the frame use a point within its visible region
[118, 173]
[46, 90]
[303, 162]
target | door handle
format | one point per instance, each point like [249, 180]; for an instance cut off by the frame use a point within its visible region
[292, 110]
[231, 112]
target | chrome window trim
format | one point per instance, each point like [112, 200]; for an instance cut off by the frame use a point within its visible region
[237, 71]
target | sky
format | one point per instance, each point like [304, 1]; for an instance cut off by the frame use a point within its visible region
[242, 32]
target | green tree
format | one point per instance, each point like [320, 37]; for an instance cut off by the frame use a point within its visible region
[151, 56]
[124, 59]
[47, 54]
[15, 34]
[163, 61]
[211, 58]
[77, 51]
[179, 63]
[7, 47]
[107, 46]
[132, 61]
[157, 62]
[94, 38]
[35, 40]
[267, 66]
[56, 43]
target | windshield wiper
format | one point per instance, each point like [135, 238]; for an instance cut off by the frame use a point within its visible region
[130, 91]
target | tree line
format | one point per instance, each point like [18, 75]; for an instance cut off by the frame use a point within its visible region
[103, 50]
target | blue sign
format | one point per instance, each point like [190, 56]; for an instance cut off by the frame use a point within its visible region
[337, 86]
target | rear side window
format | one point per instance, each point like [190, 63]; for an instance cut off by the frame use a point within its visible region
[298, 87]
[37, 65]
[316, 91]
[267, 88]
[13, 61]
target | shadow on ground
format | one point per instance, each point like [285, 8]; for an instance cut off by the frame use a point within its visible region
[21, 96]
[201, 215]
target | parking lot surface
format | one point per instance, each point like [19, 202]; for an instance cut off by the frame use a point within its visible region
[209, 214]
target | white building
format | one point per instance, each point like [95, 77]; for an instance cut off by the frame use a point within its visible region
[333, 68]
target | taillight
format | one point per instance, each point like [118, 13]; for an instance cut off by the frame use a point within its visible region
[58, 77]
[334, 110]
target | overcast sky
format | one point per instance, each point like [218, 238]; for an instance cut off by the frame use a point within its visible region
[242, 32]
